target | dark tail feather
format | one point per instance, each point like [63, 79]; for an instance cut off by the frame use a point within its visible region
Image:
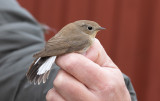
[32, 72]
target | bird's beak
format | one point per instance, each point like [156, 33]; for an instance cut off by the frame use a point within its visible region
[100, 28]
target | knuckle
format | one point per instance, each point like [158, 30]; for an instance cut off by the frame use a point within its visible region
[49, 95]
[58, 82]
[70, 62]
[110, 88]
[107, 87]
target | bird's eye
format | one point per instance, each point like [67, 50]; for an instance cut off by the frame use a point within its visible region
[90, 28]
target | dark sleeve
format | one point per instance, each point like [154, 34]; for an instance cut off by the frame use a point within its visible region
[20, 37]
[130, 88]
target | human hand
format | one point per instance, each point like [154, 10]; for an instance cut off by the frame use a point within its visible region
[95, 78]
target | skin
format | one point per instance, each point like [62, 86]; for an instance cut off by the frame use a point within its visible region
[89, 77]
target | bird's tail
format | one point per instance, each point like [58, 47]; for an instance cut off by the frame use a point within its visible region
[40, 69]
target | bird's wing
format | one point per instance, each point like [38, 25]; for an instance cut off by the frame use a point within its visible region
[59, 45]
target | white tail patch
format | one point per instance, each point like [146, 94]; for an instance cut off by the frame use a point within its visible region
[46, 66]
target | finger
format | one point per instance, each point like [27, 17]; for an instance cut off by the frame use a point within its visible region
[82, 68]
[52, 95]
[97, 54]
[70, 88]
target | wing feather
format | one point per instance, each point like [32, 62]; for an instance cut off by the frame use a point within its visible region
[65, 42]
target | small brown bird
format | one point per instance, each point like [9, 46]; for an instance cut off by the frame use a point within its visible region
[74, 37]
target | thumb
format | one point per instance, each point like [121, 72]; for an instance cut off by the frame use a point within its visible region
[97, 54]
